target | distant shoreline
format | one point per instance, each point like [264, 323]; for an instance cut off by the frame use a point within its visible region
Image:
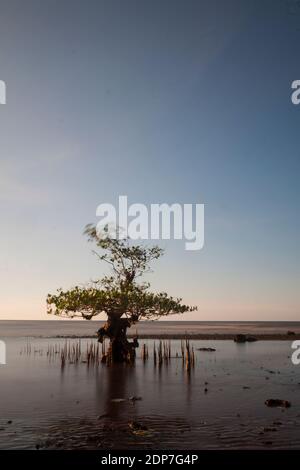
[198, 330]
[178, 336]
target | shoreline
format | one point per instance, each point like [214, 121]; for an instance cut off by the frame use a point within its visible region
[190, 336]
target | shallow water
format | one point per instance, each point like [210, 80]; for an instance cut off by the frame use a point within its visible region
[54, 407]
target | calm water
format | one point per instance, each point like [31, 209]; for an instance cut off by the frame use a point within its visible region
[54, 407]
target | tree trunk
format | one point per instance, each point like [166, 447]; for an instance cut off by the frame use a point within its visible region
[120, 349]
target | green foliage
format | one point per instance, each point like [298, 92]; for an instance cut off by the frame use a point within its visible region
[119, 294]
[127, 261]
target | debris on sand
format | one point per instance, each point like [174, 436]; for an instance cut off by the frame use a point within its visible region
[244, 338]
[240, 339]
[121, 400]
[268, 443]
[251, 339]
[105, 415]
[274, 402]
[206, 349]
[136, 426]
[134, 398]
[291, 333]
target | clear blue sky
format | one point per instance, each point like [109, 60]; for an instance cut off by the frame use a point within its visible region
[163, 101]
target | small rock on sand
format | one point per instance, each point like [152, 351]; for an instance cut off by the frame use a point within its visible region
[244, 338]
[133, 398]
[136, 426]
[105, 415]
[275, 402]
[206, 349]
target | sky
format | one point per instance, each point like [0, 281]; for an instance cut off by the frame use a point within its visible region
[162, 101]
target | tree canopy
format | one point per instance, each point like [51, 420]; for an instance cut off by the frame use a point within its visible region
[119, 294]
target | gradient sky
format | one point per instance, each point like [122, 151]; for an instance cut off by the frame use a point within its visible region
[163, 101]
